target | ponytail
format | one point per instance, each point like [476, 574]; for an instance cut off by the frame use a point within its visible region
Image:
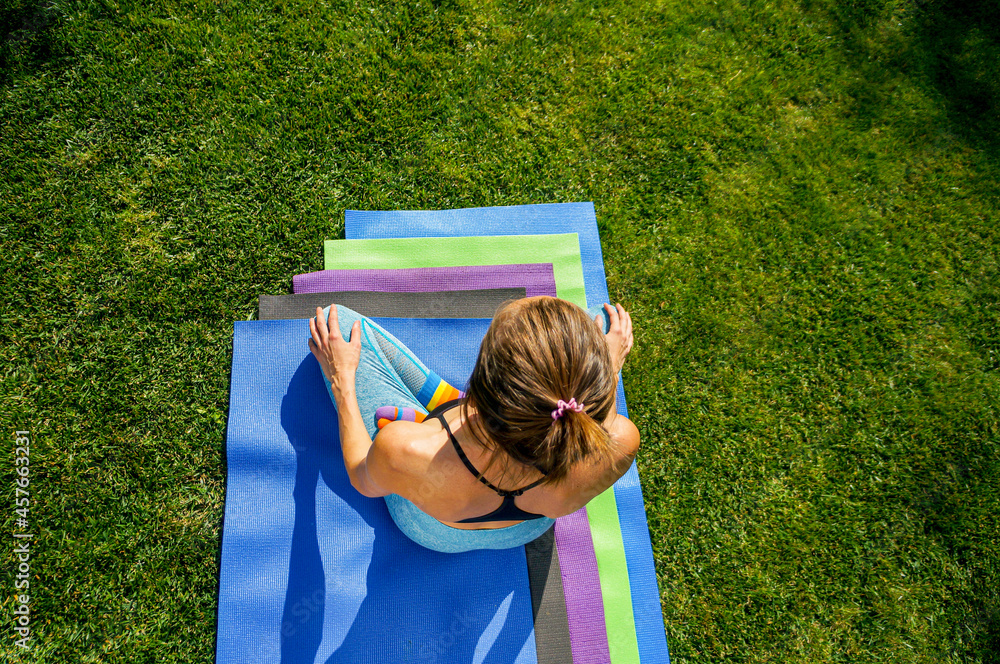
[572, 439]
[535, 353]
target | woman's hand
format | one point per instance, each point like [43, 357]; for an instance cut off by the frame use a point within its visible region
[619, 334]
[338, 358]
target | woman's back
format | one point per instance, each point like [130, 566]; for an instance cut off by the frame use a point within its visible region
[426, 469]
[538, 417]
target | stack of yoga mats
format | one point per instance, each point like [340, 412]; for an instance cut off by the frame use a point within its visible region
[312, 571]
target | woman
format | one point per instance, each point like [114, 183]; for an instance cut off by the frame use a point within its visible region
[535, 437]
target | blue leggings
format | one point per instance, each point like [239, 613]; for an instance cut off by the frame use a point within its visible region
[390, 375]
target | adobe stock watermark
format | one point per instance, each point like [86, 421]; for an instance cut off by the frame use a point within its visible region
[22, 539]
[431, 650]
[303, 610]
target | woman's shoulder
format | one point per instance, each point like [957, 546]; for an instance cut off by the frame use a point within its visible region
[626, 435]
[413, 461]
[405, 444]
[400, 451]
[587, 480]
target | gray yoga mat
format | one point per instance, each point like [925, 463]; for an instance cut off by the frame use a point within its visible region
[440, 304]
[548, 601]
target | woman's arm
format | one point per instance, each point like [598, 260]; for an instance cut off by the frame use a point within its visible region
[620, 340]
[619, 335]
[357, 446]
[339, 361]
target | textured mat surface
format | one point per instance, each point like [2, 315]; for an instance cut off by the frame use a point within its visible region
[548, 601]
[535, 278]
[311, 570]
[562, 250]
[438, 304]
[647, 642]
[508, 220]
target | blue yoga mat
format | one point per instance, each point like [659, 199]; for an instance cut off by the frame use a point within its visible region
[550, 219]
[311, 570]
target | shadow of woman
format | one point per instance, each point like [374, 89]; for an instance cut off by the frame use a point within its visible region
[390, 600]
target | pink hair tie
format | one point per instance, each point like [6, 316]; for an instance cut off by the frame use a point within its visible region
[564, 406]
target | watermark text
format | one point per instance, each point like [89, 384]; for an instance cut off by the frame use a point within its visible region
[22, 539]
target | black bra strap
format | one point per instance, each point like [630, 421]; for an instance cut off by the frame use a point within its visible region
[525, 488]
[439, 413]
[465, 459]
[442, 408]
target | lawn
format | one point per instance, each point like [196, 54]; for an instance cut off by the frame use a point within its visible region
[798, 202]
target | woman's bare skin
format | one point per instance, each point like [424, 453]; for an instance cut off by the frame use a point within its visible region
[419, 463]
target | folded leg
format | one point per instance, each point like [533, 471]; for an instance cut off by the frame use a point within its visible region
[390, 375]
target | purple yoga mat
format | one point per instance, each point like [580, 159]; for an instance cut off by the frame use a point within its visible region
[588, 633]
[535, 278]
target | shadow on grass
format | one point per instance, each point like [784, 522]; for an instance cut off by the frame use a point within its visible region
[957, 49]
[948, 47]
[951, 505]
[27, 38]
[950, 50]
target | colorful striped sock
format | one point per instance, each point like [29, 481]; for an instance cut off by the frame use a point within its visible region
[434, 393]
[387, 414]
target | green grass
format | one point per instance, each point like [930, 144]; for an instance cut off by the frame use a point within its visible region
[798, 202]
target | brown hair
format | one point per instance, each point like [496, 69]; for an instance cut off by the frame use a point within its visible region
[535, 354]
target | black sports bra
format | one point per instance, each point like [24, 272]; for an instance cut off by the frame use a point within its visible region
[507, 511]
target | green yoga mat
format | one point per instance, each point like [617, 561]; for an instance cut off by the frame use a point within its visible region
[562, 250]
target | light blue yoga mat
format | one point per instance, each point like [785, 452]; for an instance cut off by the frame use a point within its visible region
[550, 219]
